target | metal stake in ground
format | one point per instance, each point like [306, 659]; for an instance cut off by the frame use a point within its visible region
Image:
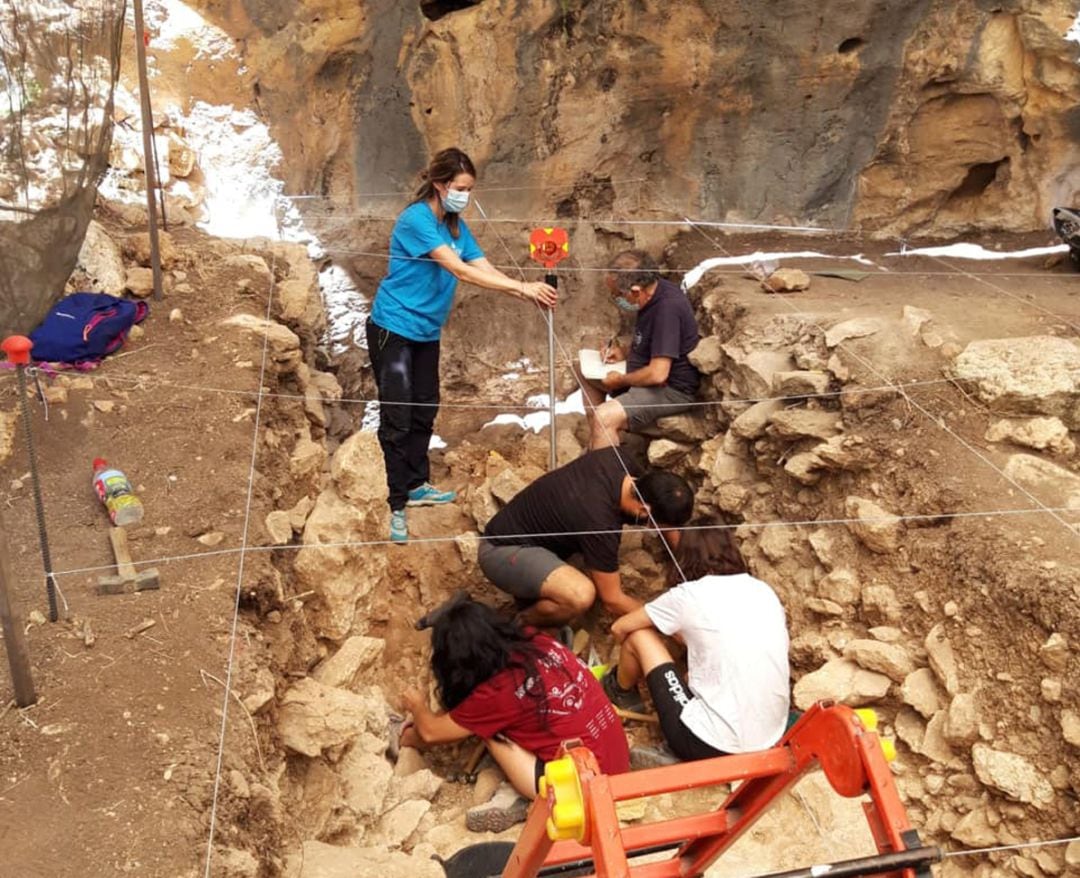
[14, 638]
[549, 247]
[17, 348]
[148, 149]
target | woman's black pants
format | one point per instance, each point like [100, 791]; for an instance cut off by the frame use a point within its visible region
[407, 375]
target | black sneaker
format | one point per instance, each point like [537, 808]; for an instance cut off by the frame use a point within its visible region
[627, 699]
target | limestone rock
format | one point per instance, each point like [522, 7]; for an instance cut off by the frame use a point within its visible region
[859, 327]
[139, 282]
[826, 547]
[1072, 853]
[910, 728]
[1042, 434]
[101, 260]
[307, 457]
[877, 529]
[261, 692]
[329, 563]
[1012, 775]
[935, 746]
[137, 247]
[1054, 485]
[805, 424]
[365, 779]
[410, 761]
[751, 424]
[283, 345]
[1055, 652]
[840, 586]
[879, 605]
[824, 607]
[679, 428]
[279, 526]
[975, 831]
[805, 467]
[1070, 727]
[962, 727]
[482, 504]
[800, 383]
[939, 653]
[358, 470]
[468, 546]
[753, 371]
[707, 357]
[920, 690]
[320, 860]
[885, 658]
[664, 453]
[786, 280]
[299, 513]
[841, 680]
[506, 484]
[397, 824]
[251, 266]
[914, 318]
[777, 542]
[1051, 689]
[235, 863]
[352, 660]
[1038, 375]
[420, 784]
[313, 717]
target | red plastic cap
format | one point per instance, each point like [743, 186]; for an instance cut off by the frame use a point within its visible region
[99, 463]
[17, 348]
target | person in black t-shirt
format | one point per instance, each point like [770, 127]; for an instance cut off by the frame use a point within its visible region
[580, 507]
[660, 380]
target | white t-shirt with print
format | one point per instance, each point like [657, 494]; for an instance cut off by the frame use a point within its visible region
[737, 659]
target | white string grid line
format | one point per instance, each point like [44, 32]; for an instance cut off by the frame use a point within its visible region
[1075, 531]
[239, 581]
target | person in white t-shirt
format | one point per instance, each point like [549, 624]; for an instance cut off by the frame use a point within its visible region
[736, 697]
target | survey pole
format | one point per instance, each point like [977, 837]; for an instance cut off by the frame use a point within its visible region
[549, 247]
[14, 638]
[148, 147]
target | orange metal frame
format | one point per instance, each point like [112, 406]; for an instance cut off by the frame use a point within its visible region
[830, 736]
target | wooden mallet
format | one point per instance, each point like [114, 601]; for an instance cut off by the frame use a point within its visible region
[128, 580]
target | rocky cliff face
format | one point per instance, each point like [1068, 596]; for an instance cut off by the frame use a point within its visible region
[921, 117]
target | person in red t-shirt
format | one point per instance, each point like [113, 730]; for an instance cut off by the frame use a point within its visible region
[519, 690]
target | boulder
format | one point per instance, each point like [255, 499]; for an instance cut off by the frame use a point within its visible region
[679, 428]
[101, 260]
[751, 424]
[856, 328]
[826, 547]
[1070, 727]
[1055, 652]
[879, 605]
[137, 248]
[962, 726]
[139, 282]
[974, 830]
[875, 528]
[298, 515]
[939, 653]
[283, 345]
[1051, 484]
[358, 470]
[752, 371]
[805, 467]
[348, 665]
[1042, 434]
[777, 542]
[804, 424]
[279, 527]
[365, 779]
[664, 453]
[306, 458]
[261, 692]
[841, 680]
[506, 484]
[250, 266]
[935, 745]
[397, 824]
[708, 356]
[886, 658]
[319, 860]
[914, 318]
[1012, 775]
[824, 607]
[313, 718]
[840, 586]
[801, 383]
[1037, 375]
[235, 863]
[786, 280]
[921, 691]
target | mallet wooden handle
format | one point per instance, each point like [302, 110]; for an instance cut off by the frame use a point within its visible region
[124, 567]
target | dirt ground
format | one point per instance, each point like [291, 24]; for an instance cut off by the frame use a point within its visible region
[113, 771]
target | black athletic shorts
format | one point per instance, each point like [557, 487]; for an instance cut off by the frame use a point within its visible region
[670, 695]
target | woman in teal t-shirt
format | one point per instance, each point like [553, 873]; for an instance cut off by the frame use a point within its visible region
[431, 249]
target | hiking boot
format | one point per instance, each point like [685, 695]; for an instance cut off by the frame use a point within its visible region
[428, 495]
[645, 756]
[399, 528]
[498, 814]
[627, 699]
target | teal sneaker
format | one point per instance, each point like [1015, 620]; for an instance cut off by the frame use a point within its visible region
[399, 529]
[428, 495]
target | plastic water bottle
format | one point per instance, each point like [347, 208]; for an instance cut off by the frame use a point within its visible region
[115, 491]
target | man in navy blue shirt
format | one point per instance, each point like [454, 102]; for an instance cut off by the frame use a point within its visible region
[660, 380]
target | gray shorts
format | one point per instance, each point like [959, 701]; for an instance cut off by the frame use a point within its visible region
[643, 405]
[517, 570]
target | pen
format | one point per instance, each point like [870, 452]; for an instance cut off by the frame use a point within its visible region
[607, 348]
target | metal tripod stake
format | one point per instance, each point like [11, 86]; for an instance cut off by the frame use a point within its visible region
[17, 348]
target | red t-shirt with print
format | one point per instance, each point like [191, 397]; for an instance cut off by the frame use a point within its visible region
[576, 708]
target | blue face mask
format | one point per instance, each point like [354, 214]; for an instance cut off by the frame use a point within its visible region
[624, 304]
[455, 201]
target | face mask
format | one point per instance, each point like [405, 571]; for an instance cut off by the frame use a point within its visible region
[624, 304]
[455, 201]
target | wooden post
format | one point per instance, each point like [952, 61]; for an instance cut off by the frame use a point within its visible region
[148, 148]
[14, 639]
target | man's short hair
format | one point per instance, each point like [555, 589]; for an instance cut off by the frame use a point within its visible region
[633, 268]
[669, 497]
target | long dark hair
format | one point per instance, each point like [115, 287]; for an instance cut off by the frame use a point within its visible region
[470, 644]
[704, 552]
[444, 166]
